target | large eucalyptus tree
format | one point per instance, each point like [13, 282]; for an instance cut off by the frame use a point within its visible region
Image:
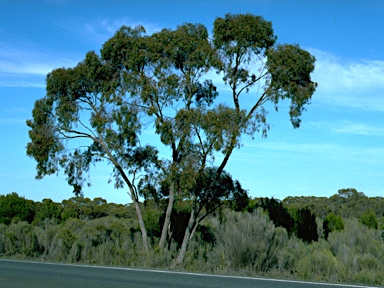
[164, 83]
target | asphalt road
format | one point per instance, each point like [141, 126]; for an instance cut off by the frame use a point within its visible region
[25, 274]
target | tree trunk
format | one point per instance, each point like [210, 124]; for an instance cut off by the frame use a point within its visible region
[187, 237]
[131, 192]
[142, 225]
[167, 220]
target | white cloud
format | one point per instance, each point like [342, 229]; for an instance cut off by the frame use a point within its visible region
[8, 121]
[349, 127]
[101, 30]
[27, 67]
[302, 148]
[350, 83]
[289, 153]
[359, 129]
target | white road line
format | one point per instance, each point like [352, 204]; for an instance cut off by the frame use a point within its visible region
[192, 274]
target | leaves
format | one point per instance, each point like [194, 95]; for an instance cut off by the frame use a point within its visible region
[290, 68]
[242, 34]
[96, 111]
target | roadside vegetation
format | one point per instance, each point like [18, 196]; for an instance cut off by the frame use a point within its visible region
[336, 239]
[197, 95]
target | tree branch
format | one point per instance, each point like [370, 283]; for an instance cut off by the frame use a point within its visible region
[251, 83]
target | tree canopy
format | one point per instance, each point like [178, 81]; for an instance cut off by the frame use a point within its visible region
[163, 83]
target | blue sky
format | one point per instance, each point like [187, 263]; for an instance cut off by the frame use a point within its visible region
[340, 143]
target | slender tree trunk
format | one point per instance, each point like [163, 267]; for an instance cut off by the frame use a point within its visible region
[131, 192]
[141, 223]
[187, 236]
[167, 220]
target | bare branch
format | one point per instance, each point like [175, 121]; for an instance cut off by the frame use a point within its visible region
[251, 83]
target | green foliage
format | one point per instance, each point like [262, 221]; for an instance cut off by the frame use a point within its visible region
[152, 217]
[278, 213]
[318, 263]
[360, 252]
[247, 241]
[235, 33]
[14, 208]
[231, 242]
[332, 223]
[47, 209]
[369, 219]
[306, 226]
[96, 110]
[290, 68]
[21, 240]
[347, 203]
[212, 188]
[3, 229]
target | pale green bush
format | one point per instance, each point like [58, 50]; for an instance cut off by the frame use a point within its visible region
[242, 243]
[318, 263]
[3, 229]
[21, 239]
[247, 242]
[289, 254]
[360, 252]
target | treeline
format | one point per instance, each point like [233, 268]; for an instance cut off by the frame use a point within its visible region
[348, 203]
[261, 237]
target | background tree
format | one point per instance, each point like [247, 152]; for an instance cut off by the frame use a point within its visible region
[15, 208]
[47, 209]
[369, 219]
[278, 213]
[306, 225]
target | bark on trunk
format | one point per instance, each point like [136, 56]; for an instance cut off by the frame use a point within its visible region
[187, 236]
[142, 225]
[131, 192]
[167, 220]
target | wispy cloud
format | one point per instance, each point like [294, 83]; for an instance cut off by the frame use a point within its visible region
[312, 152]
[14, 110]
[349, 127]
[351, 83]
[27, 67]
[7, 121]
[101, 30]
[360, 129]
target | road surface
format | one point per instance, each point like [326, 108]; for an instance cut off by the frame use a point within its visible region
[26, 274]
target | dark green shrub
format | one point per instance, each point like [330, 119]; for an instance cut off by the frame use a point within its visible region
[369, 219]
[306, 225]
[15, 208]
[47, 209]
[332, 223]
[278, 213]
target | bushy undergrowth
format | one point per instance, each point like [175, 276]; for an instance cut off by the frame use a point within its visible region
[240, 243]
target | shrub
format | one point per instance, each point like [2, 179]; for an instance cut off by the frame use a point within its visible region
[247, 242]
[306, 225]
[368, 218]
[47, 209]
[332, 223]
[360, 252]
[21, 239]
[278, 213]
[3, 229]
[15, 208]
[318, 263]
